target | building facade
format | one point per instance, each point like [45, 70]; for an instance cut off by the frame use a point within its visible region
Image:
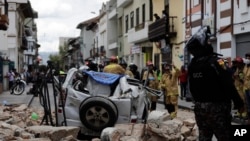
[18, 40]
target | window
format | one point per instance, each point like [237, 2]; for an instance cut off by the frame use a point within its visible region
[143, 13]
[196, 2]
[120, 27]
[126, 24]
[151, 10]
[137, 16]
[132, 19]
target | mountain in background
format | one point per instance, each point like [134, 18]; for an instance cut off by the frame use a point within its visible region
[45, 56]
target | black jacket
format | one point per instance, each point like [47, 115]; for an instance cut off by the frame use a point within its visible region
[210, 81]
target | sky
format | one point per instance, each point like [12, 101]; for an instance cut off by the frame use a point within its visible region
[59, 18]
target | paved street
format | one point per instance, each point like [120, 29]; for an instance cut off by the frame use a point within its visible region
[184, 112]
[6, 97]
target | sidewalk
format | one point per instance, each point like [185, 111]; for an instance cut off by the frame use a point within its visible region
[183, 104]
[7, 98]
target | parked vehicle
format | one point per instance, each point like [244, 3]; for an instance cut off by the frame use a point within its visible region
[87, 101]
[18, 87]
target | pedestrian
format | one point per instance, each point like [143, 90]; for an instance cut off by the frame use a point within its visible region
[169, 85]
[11, 77]
[246, 72]
[182, 81]
[23, 75]
[239, 84]
[212, 88]
[150, 79]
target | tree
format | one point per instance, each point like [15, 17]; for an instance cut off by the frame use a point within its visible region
[58, 59]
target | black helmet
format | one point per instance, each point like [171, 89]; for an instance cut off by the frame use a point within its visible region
[198, 44]
[123, 63]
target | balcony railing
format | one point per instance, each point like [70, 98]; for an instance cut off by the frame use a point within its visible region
[162, 29]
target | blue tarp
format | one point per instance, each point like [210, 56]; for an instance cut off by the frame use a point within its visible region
[103, 78]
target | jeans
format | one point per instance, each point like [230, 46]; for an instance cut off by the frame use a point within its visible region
[183, 89]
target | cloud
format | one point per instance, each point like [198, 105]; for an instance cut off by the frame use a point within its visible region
[59, 18]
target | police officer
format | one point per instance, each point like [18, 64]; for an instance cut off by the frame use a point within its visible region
[212, 88]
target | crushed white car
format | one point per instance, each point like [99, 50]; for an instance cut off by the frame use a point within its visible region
[96, 100]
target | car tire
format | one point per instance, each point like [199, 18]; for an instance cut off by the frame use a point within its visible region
[97, 113]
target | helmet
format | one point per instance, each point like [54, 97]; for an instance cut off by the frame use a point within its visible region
[123, 63]
[247, 55]
[198, 45]
[149, 63]
[238, 60]
[113, 59]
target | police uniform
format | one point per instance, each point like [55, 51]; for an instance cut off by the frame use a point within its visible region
[212, 89]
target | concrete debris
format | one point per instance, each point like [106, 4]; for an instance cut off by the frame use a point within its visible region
[17, 124]
[21, 123]
[159, 127]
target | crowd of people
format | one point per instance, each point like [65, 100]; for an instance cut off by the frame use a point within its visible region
[217, 86]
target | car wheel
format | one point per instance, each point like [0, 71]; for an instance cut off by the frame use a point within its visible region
[97, 113]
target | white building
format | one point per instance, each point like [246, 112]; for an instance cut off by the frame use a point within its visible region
[18, 42]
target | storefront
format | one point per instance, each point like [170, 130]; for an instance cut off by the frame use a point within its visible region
[242, 44]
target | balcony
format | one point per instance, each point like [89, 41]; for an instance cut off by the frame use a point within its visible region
[30, 52]
[123, 3]
[112, 14]
[139, 33]
[162, 29]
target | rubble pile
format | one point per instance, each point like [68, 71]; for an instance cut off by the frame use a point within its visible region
[159, 127]
[20, 123]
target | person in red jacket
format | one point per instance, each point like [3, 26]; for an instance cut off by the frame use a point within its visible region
[182, 81]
